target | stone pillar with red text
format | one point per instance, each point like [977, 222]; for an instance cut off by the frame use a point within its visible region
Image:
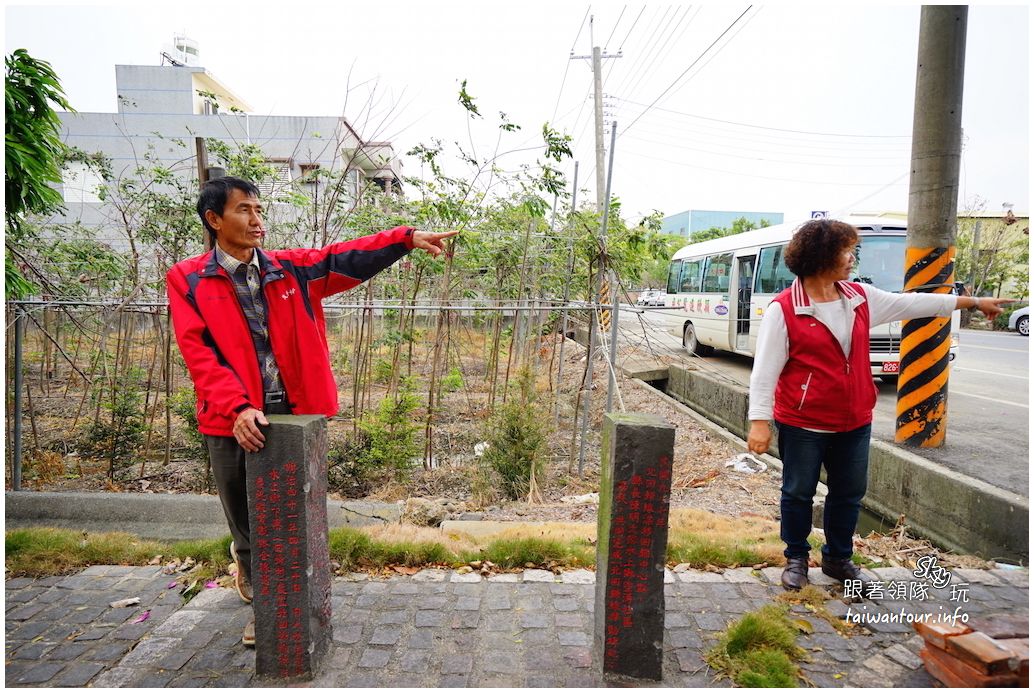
[631, 548]
[290, 559]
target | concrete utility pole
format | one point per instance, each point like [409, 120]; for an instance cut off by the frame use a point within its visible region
[932, 219]
[597, 97]
[597, 80]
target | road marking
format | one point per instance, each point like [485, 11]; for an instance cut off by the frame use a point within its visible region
[989, 399]
[977, 370]
[1015, 351]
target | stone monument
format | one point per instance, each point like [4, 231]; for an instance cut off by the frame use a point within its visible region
[631, 547]
[290, 560]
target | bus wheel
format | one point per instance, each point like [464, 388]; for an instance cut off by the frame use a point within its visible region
[692, 344]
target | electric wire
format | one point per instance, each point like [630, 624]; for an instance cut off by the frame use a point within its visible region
[568, 64]
[664, 49]
[691, 66]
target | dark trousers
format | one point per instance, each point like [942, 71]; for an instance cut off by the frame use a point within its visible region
[846, 459]
[232, 483]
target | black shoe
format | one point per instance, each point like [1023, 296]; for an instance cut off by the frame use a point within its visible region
[842, 569]
[795, 574]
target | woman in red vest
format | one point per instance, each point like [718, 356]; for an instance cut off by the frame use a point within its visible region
[811, 377]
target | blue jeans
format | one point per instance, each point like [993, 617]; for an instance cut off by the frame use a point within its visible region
[846, 459]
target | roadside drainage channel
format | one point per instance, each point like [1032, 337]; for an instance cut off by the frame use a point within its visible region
[952, 510]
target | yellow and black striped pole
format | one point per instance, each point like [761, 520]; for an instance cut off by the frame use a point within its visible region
[933, 197]
[923, 376]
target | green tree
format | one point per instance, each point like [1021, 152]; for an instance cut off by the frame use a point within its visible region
[738, 226]
[33, 152]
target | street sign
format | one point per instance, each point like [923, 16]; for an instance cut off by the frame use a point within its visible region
[820, 215]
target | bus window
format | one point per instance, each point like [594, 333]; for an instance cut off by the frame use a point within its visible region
[881, 262]
[673, 276]
[773, 276]
[716, 273]
[691, 276]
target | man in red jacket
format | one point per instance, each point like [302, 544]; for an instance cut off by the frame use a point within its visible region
[250, 326]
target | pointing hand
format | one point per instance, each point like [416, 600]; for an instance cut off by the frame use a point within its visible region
[431, 241]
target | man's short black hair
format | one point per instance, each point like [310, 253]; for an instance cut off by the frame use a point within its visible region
[214, 194]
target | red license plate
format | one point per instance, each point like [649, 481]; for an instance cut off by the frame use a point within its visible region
[891, 366]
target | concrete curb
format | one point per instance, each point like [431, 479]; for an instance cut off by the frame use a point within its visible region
[953, 510]
[168, 517]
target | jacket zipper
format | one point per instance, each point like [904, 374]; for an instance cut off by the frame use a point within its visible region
[805, 393]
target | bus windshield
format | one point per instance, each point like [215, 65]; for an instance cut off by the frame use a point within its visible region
[881, 262]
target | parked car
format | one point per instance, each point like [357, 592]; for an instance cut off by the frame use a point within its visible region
[650, 297]
[1020, 321]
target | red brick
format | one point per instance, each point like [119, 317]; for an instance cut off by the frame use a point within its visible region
[937, 633]
[1000, 626]
[1020, 659]
[980, 651]
[955, 673]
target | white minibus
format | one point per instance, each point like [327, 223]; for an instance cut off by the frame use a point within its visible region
[722, 287]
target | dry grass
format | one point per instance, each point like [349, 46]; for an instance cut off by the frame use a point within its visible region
[453, 542]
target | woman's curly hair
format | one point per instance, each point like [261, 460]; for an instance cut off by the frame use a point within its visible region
[817, 245]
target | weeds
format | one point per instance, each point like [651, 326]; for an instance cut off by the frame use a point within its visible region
[759, 651]
[40, 551]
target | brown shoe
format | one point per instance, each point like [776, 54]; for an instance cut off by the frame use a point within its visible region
[842, 569]
[248, 639]
[241, 581]
[795, 574]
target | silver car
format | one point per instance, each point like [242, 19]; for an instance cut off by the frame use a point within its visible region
[1020, 321]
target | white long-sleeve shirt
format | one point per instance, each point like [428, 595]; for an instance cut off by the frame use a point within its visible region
[773, 346]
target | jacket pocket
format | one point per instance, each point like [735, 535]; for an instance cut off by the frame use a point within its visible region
[804, 391]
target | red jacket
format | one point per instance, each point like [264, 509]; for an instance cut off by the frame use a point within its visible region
[213, 335]
[820, 386]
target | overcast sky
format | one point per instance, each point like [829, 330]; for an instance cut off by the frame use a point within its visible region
[796, 108]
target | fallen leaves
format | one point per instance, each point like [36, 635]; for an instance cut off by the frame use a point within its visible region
[405, 569]
[701, 481]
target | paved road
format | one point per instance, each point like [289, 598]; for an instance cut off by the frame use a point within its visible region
[988, 401]
[442, 629]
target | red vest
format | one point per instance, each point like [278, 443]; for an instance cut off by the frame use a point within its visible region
[821, 387]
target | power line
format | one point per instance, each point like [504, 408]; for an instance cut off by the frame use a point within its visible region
[607, 42]
[661, 51]
[763, 127]
[568, 63]
[693, 64]
[622, 45]
[747, 175]
[776, 146]
[896, 159]
[632, 70]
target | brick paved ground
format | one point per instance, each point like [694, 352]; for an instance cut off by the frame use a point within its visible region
[439, 629]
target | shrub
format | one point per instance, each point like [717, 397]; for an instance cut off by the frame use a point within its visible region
[390, 440]
[382, 371]
[453, 381]
[349, 468]
[1002, 321]
[118, 438]
[517, 440]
